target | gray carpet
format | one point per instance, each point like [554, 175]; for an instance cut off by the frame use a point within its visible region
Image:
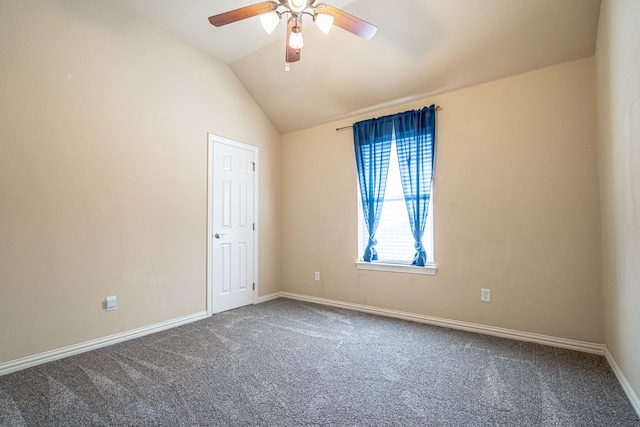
[289, 363]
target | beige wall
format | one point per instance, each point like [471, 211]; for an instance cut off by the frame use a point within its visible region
[516, 210]
[618, 82]
[103, 123]
[103, 142]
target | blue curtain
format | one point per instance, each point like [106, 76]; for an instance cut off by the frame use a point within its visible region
[415, 142]
[372, 141]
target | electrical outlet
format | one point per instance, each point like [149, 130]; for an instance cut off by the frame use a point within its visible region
[485, 295]
[112, 303]
[316, 276]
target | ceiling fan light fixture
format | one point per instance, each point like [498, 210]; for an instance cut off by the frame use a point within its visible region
[323, 21]
[271, 11]
[297, 6]
[270, 21]
[295, 39]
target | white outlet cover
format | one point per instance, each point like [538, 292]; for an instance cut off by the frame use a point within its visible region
[485, 295]
[112, 303]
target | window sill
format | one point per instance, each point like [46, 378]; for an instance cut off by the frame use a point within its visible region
[397, 268]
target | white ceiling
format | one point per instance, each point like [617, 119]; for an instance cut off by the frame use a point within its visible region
[422, 48]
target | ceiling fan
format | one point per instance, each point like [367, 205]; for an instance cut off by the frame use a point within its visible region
[271, 12]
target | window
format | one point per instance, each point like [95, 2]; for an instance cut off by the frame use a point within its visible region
[395, 241]
[395, 159]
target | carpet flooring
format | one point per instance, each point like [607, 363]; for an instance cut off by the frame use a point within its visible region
[290, 363]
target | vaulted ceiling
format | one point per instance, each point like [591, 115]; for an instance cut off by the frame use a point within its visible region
[422, 48]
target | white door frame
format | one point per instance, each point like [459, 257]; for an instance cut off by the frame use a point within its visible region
[211, 140]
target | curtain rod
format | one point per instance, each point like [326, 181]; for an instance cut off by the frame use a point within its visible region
[350, 127]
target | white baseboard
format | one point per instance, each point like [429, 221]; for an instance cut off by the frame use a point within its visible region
[269, 297]
[49, 356]
[633, 397]
[583, 346]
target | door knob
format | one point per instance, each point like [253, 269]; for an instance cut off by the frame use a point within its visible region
[217, 235]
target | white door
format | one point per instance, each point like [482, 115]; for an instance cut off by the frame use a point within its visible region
[232, 215]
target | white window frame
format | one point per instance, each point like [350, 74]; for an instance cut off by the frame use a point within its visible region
[391, 266]
[430, 269]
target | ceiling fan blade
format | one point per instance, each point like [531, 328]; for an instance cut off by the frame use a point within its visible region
[348, 22]
[242, 13]
[292, 54]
